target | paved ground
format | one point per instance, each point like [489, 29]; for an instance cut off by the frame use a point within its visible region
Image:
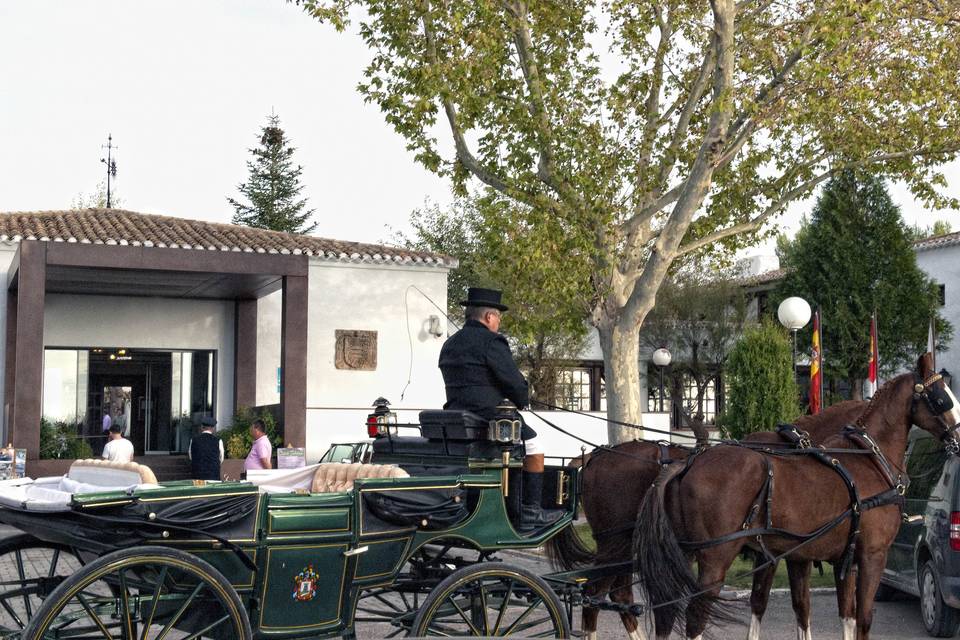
[892, 620]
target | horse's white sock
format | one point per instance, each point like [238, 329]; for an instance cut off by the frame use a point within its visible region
[638, 634]
[804, 634]
[590, 635]
[849, 628]
[754, 632]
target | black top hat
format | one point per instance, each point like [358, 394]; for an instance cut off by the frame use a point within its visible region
[477, 297]
[207, 421]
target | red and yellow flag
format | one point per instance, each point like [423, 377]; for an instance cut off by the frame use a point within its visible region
[873, 377]
[816, 372]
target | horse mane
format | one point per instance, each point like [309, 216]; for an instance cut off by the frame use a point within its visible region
[881, 394]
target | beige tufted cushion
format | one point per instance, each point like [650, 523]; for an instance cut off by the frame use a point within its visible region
[111, 474]
[335, 477]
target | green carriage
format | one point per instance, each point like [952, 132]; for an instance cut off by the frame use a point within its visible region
[409, 543]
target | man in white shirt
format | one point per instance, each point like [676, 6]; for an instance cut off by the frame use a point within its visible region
[118, 448]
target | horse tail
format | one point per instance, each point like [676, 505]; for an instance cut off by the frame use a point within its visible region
[567, 551]
[662, 567]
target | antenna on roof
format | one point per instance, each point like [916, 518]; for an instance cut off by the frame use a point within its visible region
[110, 162]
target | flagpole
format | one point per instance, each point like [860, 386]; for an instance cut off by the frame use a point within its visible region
[820, 317]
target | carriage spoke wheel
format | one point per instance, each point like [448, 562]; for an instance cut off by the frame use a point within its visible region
[145, 593]
[29, 570]
[492, 599]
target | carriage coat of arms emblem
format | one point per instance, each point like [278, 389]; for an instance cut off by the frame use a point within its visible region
[305, 584]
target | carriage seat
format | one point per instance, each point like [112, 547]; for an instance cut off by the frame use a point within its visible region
[337, 477]
[445, 425]
[106, 473]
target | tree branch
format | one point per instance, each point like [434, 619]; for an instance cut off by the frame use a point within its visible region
[652, 106]
[801, 190]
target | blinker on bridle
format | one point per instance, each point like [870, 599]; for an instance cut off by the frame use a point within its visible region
[939, 402]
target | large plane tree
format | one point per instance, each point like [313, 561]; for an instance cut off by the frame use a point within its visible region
[653, 130]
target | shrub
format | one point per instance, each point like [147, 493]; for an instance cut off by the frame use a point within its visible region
[237, 440]
[59, 440]
[761, 388]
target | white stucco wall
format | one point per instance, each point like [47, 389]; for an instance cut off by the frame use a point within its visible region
[367, 297]
[147, 323]
[943, 266]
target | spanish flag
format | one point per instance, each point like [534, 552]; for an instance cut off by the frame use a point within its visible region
[873, 377]
[816, 372]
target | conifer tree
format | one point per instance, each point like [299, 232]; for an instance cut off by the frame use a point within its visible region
[854, 257]
[273, 187]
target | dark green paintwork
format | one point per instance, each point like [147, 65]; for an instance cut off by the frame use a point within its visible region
[295, 531]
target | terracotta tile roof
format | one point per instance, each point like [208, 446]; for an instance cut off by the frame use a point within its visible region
[935, 242]
[763, 278]
[119, 227]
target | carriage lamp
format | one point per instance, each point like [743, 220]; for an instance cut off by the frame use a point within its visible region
[382, 421]
[505, 426]
[947, 378]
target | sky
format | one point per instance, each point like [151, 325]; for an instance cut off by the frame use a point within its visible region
[184, 88]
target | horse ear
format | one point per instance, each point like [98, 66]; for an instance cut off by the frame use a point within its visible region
[925, 365]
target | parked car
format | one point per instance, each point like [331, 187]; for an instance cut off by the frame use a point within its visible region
[924, 559]
[349, 452]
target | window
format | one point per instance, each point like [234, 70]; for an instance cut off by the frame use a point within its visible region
[942, 294]
[709, 404]
[573, 389]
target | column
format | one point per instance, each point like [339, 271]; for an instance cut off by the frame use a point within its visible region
[245, 354]
[293, 361]
[28, 356]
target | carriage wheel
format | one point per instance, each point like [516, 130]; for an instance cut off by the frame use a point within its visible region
[29, 570]
[492, 599]
[142, 594]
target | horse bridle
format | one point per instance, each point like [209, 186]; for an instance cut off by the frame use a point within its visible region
[938, 402]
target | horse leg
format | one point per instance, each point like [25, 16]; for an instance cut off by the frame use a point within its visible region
[870, 568]
[846, 600]
[713, 564]
[589, 615]
[799, 573]
[623, 594]
[760, 596]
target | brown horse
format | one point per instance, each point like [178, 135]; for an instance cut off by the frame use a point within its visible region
[712, 499]
[612, 493]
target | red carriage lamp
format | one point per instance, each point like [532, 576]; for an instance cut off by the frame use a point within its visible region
[382, 421]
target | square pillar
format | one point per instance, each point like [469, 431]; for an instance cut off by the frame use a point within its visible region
[28, 345]
[9, 366]
[293, 361]
[245, 354]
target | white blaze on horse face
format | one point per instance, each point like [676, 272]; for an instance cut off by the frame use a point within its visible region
[849, 629]
[754, 632]
[955, 411]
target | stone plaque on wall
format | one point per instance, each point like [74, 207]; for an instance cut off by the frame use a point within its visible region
[356, 350]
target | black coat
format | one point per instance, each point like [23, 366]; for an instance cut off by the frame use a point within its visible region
[479, 371]
[205, 456]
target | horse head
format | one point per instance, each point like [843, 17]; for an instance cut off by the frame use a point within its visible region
[935, 409]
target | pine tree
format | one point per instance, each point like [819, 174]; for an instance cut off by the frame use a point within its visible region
[855, 257]
[273, 187]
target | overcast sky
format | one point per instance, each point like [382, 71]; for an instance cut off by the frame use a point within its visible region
[184, 88]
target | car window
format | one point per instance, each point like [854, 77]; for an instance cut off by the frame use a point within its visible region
[925, 460]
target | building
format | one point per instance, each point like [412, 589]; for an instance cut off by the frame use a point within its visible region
[939, 257]
[157, 321]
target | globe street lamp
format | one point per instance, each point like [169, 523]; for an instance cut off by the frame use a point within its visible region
[661, 358]
[794, 314]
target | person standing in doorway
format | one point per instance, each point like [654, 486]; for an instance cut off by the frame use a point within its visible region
[118, 448]
[206, 452]
[262, 451]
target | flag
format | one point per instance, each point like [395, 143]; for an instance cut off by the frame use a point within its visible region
[816, 374]
[873, 373]
[932, 341]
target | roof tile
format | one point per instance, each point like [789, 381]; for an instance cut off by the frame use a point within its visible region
[117, 226]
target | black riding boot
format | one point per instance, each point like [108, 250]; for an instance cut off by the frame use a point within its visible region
[533, 515]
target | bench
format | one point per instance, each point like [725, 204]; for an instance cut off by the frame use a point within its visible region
[327, 477]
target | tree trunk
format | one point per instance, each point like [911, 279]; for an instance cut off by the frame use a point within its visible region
[856, 389]
[621, 361]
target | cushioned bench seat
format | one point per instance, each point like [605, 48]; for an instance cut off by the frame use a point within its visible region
[55, 493]
[328, 477]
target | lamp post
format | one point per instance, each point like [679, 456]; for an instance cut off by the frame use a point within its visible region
[661, 358]
[794, 314]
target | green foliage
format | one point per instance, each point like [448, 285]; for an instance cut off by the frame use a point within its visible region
[59, 440]
[938, 228]
[761, 389]
[853, 257]
[273, 187]
[640, 133]
[97, 199]
[547, 320]
[237, 440]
